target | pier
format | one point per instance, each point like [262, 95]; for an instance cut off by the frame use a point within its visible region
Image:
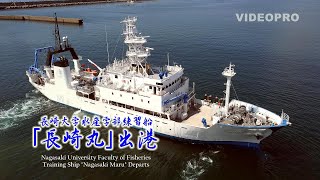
[55, 3]
[42, 18]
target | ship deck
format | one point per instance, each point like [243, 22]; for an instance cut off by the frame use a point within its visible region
[196, 115]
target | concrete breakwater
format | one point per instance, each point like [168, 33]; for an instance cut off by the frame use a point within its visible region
[42, 18]
[55, 3]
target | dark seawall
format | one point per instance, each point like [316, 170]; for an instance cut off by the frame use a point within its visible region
[42, 18]
[54, 3]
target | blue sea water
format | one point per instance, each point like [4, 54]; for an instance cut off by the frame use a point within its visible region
[277, 67]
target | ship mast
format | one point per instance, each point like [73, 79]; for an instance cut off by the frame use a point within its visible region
[228, 73]
[57, 34]
[60, 47]
[137, 54]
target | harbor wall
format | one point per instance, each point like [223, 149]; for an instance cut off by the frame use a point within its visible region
[54, 3]
[42, 18]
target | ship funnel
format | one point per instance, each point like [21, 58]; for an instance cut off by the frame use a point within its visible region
[77, 65]
[62, 73]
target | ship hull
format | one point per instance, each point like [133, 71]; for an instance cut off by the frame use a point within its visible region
[215, 134]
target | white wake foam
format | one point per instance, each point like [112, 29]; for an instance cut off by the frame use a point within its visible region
[196, 166]
[22, 109]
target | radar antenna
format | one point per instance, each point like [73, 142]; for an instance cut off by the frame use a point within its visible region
[137, 54]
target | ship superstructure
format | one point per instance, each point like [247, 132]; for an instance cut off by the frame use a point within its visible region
[132, 86]
[134, 83]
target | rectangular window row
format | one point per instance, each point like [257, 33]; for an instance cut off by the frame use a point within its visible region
[135, 109]
[131, 97]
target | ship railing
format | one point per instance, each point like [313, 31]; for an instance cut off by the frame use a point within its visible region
[285, 116]
[285, 119]
[175, 68]
[138, 53]
[191, 95]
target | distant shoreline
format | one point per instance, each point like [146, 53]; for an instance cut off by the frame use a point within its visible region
[57, 3]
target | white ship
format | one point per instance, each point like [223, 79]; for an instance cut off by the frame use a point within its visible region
[131, 86]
